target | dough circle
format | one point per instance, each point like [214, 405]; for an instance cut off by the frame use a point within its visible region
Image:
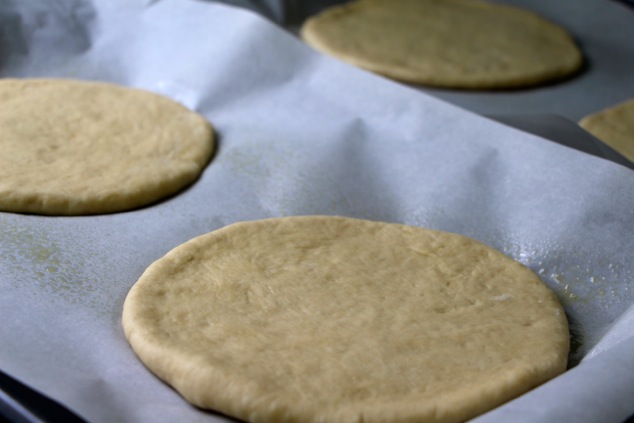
[72, 148]
[468, 44]
[614, 126]
[331, 319]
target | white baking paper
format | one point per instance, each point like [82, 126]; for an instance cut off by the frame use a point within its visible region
[299, 133]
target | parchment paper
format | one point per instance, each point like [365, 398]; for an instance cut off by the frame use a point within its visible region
[299, 133]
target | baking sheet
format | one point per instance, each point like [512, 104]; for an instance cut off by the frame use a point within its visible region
[299, 133]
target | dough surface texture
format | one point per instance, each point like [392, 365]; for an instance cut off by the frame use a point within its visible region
[331, 319]
[73, 148]
[614, 126]
[467, 44]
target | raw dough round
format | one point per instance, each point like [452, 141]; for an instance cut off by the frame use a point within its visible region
[446, 43]
[329, 319]
[614, 126]
[72, 148]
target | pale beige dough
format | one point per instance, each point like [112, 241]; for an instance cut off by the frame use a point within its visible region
[72, 148]
[329, 319]
[467, 44]
[614, 126]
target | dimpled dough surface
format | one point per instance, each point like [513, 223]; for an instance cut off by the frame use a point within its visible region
[328, 319]
[71, 148]
[614, 126]
[446, 43]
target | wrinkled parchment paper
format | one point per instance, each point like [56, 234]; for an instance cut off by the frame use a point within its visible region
[299, 133]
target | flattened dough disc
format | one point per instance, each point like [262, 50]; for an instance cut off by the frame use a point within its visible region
[468, 44]
[614, 126]
[329, 319]
[72, 148]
